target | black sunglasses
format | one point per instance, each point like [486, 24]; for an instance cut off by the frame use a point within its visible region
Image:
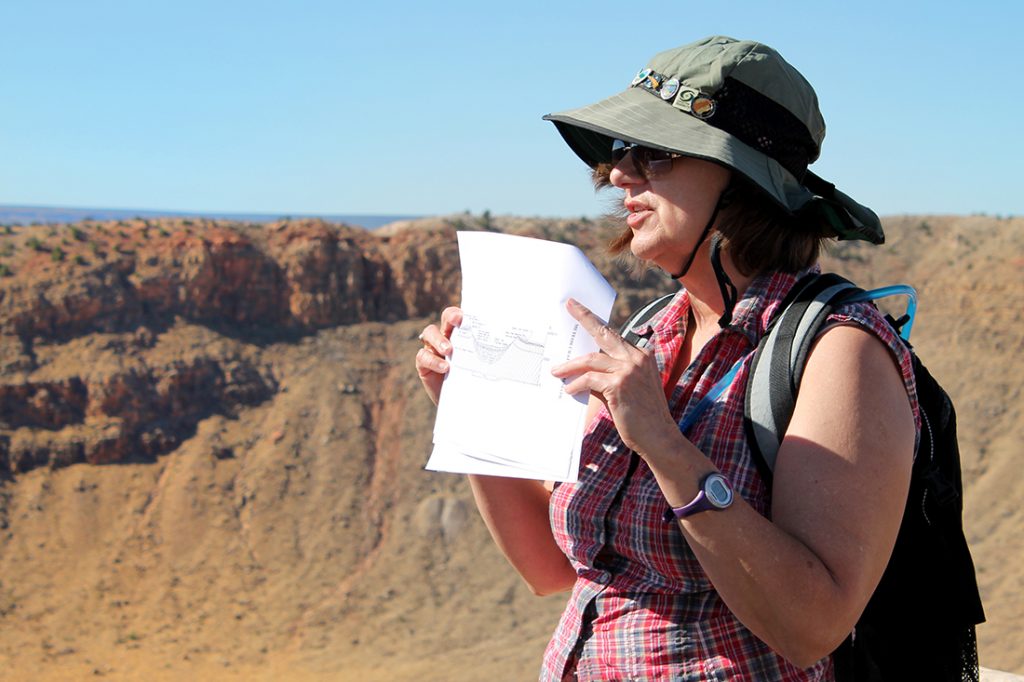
[649, 162]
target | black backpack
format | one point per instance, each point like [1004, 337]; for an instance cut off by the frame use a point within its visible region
[920, 622]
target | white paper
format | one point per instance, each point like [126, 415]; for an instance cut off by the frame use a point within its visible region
[501, 412]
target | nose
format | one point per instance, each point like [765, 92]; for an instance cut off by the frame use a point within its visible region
[625, 172]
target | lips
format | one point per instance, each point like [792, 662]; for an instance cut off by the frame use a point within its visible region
[635, 205]
[634, 220]
[638, 212]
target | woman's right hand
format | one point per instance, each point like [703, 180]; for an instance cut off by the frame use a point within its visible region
[432, 359]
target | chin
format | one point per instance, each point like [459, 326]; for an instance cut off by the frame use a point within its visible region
[642, 250]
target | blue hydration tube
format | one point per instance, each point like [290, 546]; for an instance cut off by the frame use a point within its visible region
[894, 290]
[904, 330]
[711, 396]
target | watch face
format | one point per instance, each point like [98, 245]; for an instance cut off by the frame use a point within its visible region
[718, 491]
[715, 493]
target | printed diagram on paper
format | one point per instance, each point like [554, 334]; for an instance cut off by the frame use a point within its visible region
[500, 353]
[501, 411]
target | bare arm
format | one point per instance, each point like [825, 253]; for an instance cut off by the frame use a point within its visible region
[838, 495]
[801, 580]
[515, 510]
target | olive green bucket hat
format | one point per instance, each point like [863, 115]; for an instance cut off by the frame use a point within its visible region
[734, 102]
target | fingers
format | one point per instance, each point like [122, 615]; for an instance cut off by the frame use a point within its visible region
[593, 372]
[431, 360]
[435, 341]
[595, 384]
[436, 338]
[428, 363]
[591, 362]
[607, 339]
[451, 317]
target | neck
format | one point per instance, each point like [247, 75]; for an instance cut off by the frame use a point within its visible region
[705, 296]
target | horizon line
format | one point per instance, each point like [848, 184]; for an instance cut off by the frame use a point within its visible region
[26, 214]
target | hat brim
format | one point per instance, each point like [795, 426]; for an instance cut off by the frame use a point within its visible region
[632, 116]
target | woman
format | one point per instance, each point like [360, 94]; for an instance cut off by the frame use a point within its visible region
[709, 147]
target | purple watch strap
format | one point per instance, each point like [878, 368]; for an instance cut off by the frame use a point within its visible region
[703, 502]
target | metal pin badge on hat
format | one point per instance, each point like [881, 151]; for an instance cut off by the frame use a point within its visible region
[670, 88]
[694, 102]
[641, 76]
[703, 107]
[684, 100]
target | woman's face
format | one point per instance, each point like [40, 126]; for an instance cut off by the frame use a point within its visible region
[668, 212]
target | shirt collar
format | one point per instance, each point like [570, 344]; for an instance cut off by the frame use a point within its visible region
[761, 300]
[751, 316]
[668, 320]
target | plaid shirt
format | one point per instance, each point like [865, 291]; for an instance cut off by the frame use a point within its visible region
[642, 607]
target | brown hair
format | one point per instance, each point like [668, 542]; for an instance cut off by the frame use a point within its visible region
[759, 235]
[619, 244]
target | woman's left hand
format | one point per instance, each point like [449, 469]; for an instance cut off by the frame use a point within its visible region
[626, 379]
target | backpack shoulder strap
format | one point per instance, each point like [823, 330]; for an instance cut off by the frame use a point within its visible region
[642, 316]
[779, 360]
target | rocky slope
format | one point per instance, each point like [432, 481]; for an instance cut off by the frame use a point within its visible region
[114, 293]
[212, 439]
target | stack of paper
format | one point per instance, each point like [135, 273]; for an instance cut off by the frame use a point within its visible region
[501, 412]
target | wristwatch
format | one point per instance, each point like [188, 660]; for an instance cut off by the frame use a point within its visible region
[715, 493]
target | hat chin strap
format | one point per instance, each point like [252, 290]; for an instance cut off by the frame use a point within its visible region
[725, 285]
[700, 241]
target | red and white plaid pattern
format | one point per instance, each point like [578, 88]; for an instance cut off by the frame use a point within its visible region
[642, 607]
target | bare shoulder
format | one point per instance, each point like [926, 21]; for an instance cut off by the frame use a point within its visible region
[843, 469]
[851, 349]
[853, 397]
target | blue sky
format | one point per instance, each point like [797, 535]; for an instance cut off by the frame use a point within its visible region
[428, 108]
